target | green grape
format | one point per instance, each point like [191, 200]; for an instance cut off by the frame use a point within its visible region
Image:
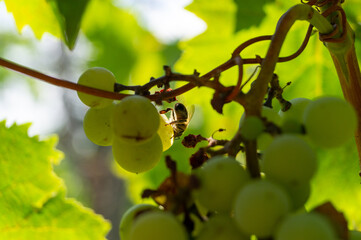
[165, 132]
[138, 158]
[310, 226]
[157, 225]
[220, 178]
[135, 119]
[299, 194]
[97, 125]
[220, 227]
[354, 235]
[271, 115]
[130, 216]
[99, 78]
[264, 140]
[330, 122]
[259, 207]
[251, 127]
[289, 159]
[292, 118]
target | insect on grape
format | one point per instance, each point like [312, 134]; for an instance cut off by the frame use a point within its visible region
[179, 118]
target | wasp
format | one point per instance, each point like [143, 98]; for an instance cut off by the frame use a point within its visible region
[179, 118]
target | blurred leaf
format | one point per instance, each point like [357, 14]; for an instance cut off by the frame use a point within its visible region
[32, 197]
[249, 13]
[37, 14]
[69, 14]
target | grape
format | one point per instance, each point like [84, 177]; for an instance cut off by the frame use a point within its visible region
[271, 115]
[310, 226]
[330, 122]
[138, 158]
[97, 125]
[135, 119]
[299, 193]
[292, 118]
[289, 159]
[165, 132]
[157, 225]
[99, 78]
[354, 235]
[264, 140]
[130, 216]
[251, 127]
[259, 207]
[220, 178]
[220, 227]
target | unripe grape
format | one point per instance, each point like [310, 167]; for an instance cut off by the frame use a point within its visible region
[310, 226]
[220, 227]
[157, 225]
[138, 158]
[330, 122]
[135, 119]
[260, 206]
[251, 127]
[220, 180]
[130, 216]
[99, 78]
[289, 159]
[165, 132]
[97, 125]
[271, 115]
[354, 235]
[292, 119]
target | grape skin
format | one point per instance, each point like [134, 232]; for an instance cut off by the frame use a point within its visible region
[259, 207]
[138, 158]
[130, 216]
[135, 119]
[292, 118]
[220, 227]
[165, 132]
[289, 159]
[97, 125]
[330, 122]
[157, 225]
[100, 78]
[251, 127]
[220, 178]
[310, 226]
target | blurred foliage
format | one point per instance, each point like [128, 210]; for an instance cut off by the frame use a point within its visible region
[32, 195]
[134, 55]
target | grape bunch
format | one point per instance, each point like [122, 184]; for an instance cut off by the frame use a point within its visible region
[133, 127]
[227, 204]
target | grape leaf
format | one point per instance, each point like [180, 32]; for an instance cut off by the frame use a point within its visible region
[32, 198]
[69, 14]
[38, 14]
[249, 13]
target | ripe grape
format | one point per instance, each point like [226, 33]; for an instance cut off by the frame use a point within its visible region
[97, 125]
[130, 216]
[310, 226]
[289, 159]
[259, 207]
[251, 127]
[157, 225]
[220, 227]
[135, 119]
[330, 121]
[99, 78]
[292, 118]
[220, 178]
[138, 158]
[165, 132]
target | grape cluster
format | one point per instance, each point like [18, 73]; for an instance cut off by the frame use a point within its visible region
[133, 127]
[233, 206]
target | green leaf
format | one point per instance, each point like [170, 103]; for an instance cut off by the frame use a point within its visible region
[249, 13]
[32, 198]
[38, 14]
[69, 14]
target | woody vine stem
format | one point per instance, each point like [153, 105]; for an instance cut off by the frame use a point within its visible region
[334, 32]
